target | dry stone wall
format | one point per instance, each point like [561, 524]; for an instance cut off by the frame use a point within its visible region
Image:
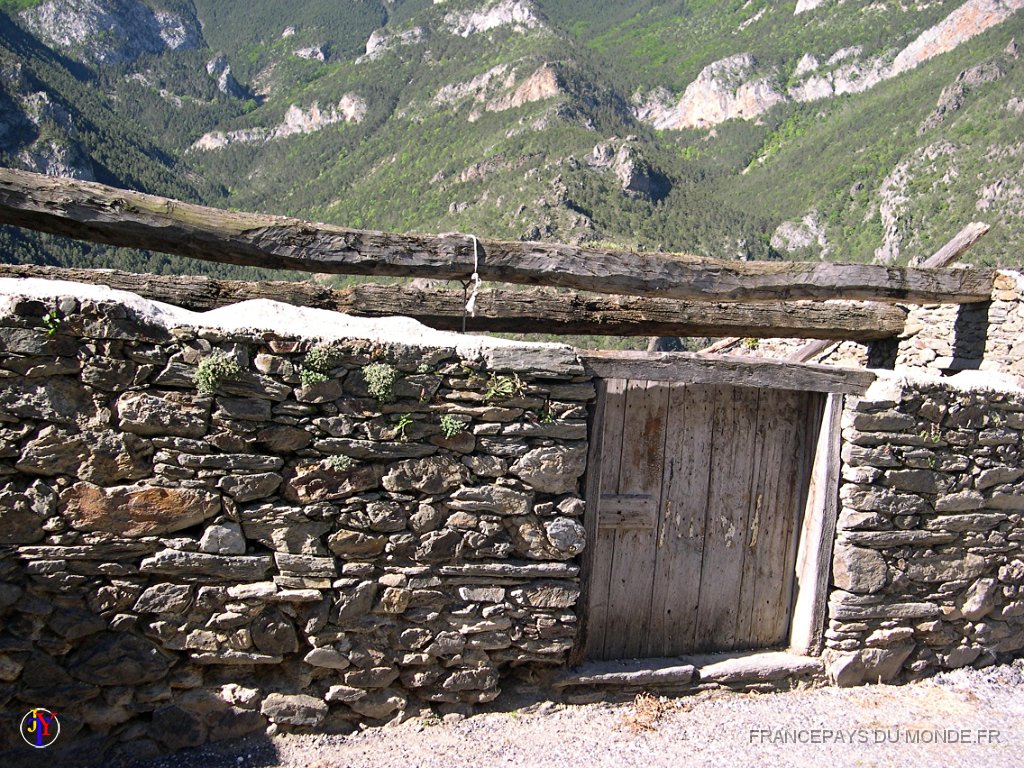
[950, 338]
[331, 535]
[928, 565]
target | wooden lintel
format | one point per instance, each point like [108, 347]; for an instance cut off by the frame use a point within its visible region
[95, 212]
[512, 311]
[715, 369]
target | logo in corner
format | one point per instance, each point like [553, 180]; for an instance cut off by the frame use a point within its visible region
[40, 728]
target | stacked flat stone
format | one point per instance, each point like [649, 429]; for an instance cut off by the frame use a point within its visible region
[178, 567]
[928, 565]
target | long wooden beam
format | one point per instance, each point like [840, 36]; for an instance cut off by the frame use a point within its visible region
[511, 311]
[739, 371]
[104, 214]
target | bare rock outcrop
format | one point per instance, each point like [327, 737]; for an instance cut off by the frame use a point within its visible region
[110, 31]
[517, 14]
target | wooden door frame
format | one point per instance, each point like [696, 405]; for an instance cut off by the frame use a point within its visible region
[818, 521]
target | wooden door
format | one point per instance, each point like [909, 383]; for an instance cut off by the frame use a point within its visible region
[701, 493]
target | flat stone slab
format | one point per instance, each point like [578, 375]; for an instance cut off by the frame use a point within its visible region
[631, 673]
[746, 667]
[753, 666]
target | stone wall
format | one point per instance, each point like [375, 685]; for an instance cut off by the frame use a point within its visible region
[308, 546]
[950, 338]
[928, 567]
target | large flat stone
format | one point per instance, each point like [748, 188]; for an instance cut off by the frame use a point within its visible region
[172, 414]
[133, 511]
[238, 567]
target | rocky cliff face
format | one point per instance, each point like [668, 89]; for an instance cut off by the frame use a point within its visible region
[110, 31]
[735, 87]
[517, 14]
[349, 109]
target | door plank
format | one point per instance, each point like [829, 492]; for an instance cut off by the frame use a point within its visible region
[726, 534]
[684, 509]
[604, 541]
[640, 472]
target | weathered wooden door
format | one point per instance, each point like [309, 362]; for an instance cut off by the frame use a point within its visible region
[702, 489]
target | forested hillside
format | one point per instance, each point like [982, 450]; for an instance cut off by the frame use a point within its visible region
[854, 131]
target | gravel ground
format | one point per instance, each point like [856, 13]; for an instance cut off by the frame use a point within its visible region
[969, 718]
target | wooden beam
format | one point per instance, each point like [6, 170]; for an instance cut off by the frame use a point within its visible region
[958, 246]
[103, 214]
[512, 311]
[738, 371]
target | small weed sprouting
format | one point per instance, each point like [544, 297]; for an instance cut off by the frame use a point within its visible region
[422, 368]
[341, 463]
[452, 426]
[322, 358]
[503, 387]
[51, 322]
[213, 370]
[547, 416]
[309, 377]
[647, 711]
[380, 381]
[750, 343]
[404, 422]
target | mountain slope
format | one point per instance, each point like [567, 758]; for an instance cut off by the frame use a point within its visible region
[843, 130]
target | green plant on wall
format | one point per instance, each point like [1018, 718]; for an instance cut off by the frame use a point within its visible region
[503, 387]
[51, 322]
[318, 364]
[452, 425]
[341, 463]
[213, 370]
[404, 422]
[380, 381]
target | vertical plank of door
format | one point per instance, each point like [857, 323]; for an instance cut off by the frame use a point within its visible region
[640, 472]
[761, 512]
[768, 561]
[604, 541]
[726, 534]
[808, 418]
[684, 508]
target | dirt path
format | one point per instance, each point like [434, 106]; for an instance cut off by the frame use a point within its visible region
[968, 718]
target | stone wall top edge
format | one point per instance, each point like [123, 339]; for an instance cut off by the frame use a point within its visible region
[255, 319]
[889, 385]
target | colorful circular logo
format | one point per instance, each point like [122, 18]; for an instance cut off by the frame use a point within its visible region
[40, 728]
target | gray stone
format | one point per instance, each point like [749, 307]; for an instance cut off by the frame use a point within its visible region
[395, 600]
[294, 709]
[244, 488]
[961, 656]
[482, 594]
[917, 480]
[117, 658]
[507, 447]
[223, 539]
[431, 475]
[566, 536]
[438, 546]
[353, 604]
[306, 565]
[385, 517]
[959, 523]
[1011, 573]
[136, 511]
[295, 538]
[960, 502]
[312, 482]
[327, 658]
[344, 694]
[857, 569]
[942, 568]
[379, 705]
[373, 677]
[884, 421]
[232, 567]
[243, 409]
[59, 400]
[164, 598]
[235, 462]
[177, 728]
[998, 476]
[283, 439]
[19, 522]
[871, 499]
[374, 450]
[888, 539]
[355, 545]
[553, 469]
[552, 594]
[273, 634]
[881, 665]
[170, 414]
[480, 679]
[426, 518]
[1007, 500]
[319, 392]
[493, 499]
[560, 361]
[979, 600]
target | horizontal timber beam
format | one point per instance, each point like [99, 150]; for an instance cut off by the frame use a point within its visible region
[103, 214]
[690, 368]
[512, 311]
